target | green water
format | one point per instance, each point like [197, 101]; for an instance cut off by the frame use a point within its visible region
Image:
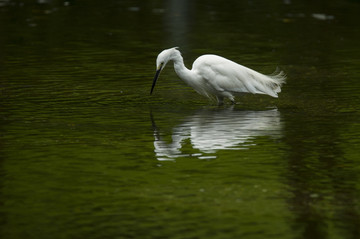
[86, 152]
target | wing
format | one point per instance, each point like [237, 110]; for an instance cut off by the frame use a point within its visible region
[225, 75]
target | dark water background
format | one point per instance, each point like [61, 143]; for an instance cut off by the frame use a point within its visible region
[87, 153]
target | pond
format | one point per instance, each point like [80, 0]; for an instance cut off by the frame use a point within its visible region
[86, 152]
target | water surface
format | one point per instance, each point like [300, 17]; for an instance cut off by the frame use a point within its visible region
[87, 153]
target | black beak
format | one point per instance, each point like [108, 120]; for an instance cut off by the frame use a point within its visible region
[155, 79]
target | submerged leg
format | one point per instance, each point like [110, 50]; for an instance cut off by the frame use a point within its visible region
[231, 98]
[220, 100]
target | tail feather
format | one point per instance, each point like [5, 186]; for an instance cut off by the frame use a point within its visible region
[265, 84]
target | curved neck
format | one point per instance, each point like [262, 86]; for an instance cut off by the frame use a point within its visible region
[180, 68]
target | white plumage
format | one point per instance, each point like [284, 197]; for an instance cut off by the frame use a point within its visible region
[215, 76]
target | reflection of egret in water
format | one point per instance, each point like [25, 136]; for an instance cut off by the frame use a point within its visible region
[211, 130]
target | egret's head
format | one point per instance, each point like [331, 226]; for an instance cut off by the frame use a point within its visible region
[163, 58]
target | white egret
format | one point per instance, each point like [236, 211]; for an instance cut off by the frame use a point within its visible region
[215, 76]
